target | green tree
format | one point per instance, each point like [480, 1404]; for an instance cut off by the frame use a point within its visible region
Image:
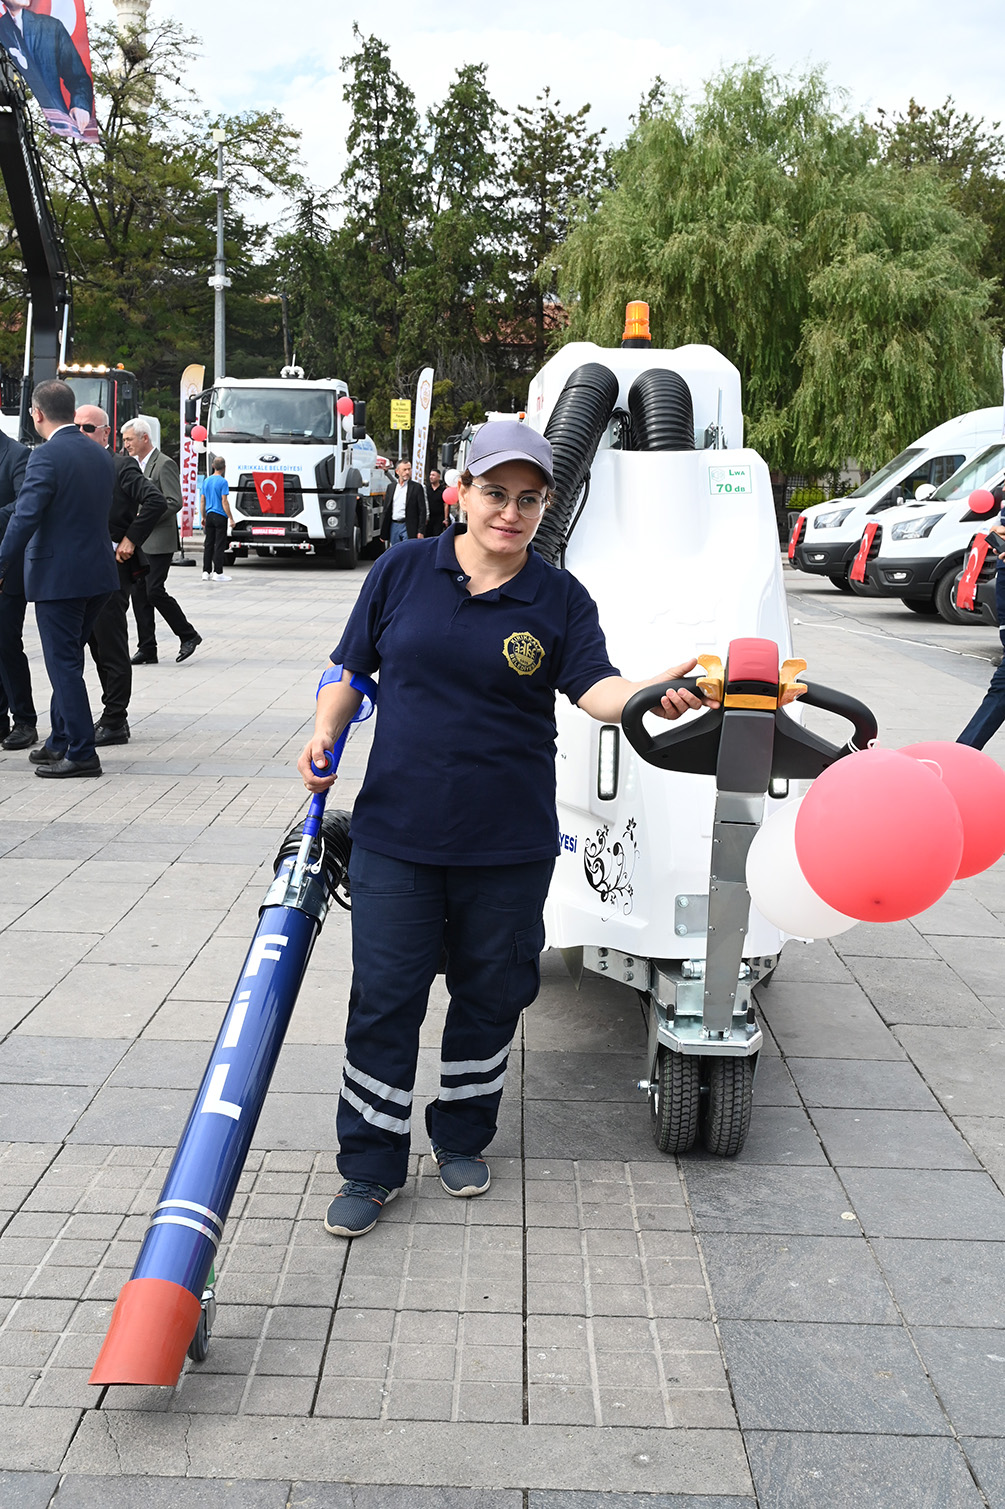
[557, 172]
[845, 290]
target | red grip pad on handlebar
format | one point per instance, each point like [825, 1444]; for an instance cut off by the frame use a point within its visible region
[753, 662]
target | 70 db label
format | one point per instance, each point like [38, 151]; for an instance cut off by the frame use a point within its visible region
[729, 480]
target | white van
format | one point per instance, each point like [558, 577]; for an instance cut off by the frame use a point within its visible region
[917, 553]
[826, 536]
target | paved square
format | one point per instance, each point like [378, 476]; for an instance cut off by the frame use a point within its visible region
[818, 1322]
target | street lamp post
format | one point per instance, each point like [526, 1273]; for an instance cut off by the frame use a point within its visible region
[219, 282]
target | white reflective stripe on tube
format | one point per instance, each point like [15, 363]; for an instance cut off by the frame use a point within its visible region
[386, 1092]
[468, 1092]
[474, 1065]
[376, 1118]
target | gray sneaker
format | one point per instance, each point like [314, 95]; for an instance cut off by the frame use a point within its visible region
[355, 1208]
[460, 1173]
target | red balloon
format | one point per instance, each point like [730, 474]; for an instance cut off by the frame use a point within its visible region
[977, 786]
[879, 837]
[345, 407]
[199, 433]
[450, 496]
[981, 501]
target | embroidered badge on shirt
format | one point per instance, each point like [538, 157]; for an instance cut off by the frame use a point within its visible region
[524, 653]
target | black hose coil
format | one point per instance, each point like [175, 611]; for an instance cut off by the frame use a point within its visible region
[662, 413]
[581, 414]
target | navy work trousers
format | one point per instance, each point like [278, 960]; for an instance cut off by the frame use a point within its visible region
[990, 716]
[64, 627]
[15, 675]
[490, 921]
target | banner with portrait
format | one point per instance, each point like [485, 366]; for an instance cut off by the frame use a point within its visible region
[46, 40]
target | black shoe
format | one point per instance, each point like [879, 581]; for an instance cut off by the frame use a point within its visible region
[189, 647]
[105, 735]
[21, 736]
[64, 767]
[47, 756]
[143, 658]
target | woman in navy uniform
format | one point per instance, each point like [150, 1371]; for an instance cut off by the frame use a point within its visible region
[456, 853]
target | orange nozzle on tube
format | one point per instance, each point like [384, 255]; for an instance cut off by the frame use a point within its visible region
[636, 324]
[151, 1330]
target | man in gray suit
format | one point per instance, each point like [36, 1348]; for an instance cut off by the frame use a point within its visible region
[151, 592]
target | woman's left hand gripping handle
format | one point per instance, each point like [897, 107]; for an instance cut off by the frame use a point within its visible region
[317, 766]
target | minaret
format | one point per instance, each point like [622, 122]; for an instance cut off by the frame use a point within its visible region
[131, 16]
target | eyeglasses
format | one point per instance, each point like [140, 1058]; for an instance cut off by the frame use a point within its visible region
[89, 429]
[530, 505]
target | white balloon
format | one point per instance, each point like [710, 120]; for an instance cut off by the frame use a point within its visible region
[451, 476]
[778, 887]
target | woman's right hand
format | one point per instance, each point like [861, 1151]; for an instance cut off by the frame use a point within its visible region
[316, 751]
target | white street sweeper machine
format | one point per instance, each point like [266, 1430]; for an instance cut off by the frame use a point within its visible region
[670, 523]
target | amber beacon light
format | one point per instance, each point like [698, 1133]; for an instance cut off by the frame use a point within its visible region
[636, 325]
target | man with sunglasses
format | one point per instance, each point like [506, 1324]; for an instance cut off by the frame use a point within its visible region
[59, 531]
[137, 505]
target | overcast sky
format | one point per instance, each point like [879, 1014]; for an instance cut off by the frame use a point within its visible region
[260, 53]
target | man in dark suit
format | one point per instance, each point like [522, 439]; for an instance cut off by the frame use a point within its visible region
[136, 508]
[43, 52]
[435, 489]
[15, 678]
[59, 529]
[150, 592]
[404, 516]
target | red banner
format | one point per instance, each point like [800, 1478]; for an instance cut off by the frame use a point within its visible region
[800, 525]
[269, 487]
[46, 40]
[967, 588]
[857, 572]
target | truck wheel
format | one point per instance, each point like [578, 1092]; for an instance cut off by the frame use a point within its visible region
[730, 1102]
[675, 1100]
[944, 594]
[347, 551]
[840, 582]
[923, 605]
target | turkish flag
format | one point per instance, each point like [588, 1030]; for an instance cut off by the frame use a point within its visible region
[967, 588]
[796, 535]
[269, 487]
[857, 572]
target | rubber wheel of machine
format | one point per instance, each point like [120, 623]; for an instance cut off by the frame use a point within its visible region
[199, 1346]
[675, 1102]
[840, 582]
[923, 605]
[945, 593]
[730, 1102]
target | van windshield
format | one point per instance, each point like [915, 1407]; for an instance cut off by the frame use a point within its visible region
[976, 472]
[879, 479]
[292, 416]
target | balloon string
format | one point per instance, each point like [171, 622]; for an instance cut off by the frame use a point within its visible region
[935, 766]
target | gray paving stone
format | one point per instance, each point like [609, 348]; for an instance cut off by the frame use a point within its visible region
[967, 1366]
[979, 962]
[925, 993]
[986, 1136]
[35, 1440]
[27, 1490]
[855, 1083]
[815, 962]
[807, 1201]
[963, 1065]
[988, 1461]
[809, 1470]
[773, 1085]
[31, 1060]
[795, 1278]
[121, 1116]
[339, 1496]
[926, 1203]
[28, 1113]
[297, 1120]
[582, 1076]
[33, 962]
[102, 1000]
[574, 1129]
[791, 1375]
[86, 1492]
[892, 1139]
[810, 1021]
[161, 1065]
[887, 940]
[945, 1283]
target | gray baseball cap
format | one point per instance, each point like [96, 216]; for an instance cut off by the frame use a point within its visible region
[508, 440]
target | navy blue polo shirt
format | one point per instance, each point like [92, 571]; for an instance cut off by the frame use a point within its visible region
[462, 769]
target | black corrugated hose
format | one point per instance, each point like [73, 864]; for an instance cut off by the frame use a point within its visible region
[662, 414]
[575, 429]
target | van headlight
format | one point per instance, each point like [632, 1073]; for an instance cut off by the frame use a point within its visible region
[915, 529]
[831, 520]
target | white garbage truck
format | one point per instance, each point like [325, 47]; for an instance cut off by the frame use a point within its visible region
[304, 479]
